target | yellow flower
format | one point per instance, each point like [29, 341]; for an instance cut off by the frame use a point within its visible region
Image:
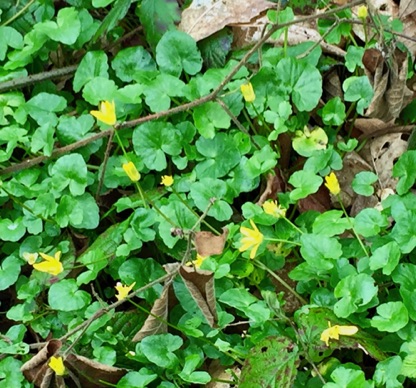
[251, 240]
[331, 181]
[123, 291]
[106, 112]
[335, 331]
[51, 265]
[248, 92]
[199, 260]
[57, 365]
[30, 257]
[167, 180]
[362, 12]
[271, 207]
[131, 170]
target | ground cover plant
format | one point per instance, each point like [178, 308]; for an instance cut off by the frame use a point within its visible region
[178, 213]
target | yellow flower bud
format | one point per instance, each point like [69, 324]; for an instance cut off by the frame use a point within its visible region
[248, 92]
[131, 171]
[362, 12]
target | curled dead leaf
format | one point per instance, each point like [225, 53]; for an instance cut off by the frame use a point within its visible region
[208, 244]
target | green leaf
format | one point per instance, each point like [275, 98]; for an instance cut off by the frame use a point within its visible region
[204, 191]
[177, 51]
[386, 257]
[356, 292]
[333, 113]
[387, 373]
[86, 205]
[132, 61]
[11, 230]
[215, 48]
[191, 363]
[118, 11]
[157, 17]
[305, 184]
[93, 64]
[43, 139]
[70, 170]
[9, 270]
[354, 58]
[348, 378]
[306, 142]
[221, 155]
[9, 37]
[10, 373]
[241, 299]
[96, 257]
[65, 296]
[140, 379]
[362, 183]
[358, 89]
[405, 275]
[142, 271]
[142, 220]
[404, 169]
[210, 116]
[42, 107]
[261, 161]
[331, 223]
[404, 229]
[273, 362]
[319, 251]
[408, 367]
[99, 89]
[66, 29]
[159, 349]
[302, 81]
[392, 317]
[180, 216]
[101, 3]
[153, 140]
[159, 90]
[369, 222]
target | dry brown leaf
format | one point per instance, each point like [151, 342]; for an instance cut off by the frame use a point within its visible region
[205, 17]
[155, 323]
[332, 85]
[352, 165]
[407, 7]
[200, 284]
[391, 93]
[36, 370]
[208, 244]
[83, 372]
[220, 372]
[93, 374]
[375, 127]
[274, 184]
[382, 152]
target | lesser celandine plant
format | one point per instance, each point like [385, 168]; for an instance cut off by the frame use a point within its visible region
[185, 161]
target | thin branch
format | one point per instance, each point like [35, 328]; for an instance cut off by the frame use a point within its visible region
[31, 79]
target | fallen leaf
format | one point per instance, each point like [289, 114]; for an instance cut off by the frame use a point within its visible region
[406, 8]
[200, 284]
[208, 244]
[205, 17]
[156, 322]
[37, 370]
[81, 371]
[391, 93]
[93, 374]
